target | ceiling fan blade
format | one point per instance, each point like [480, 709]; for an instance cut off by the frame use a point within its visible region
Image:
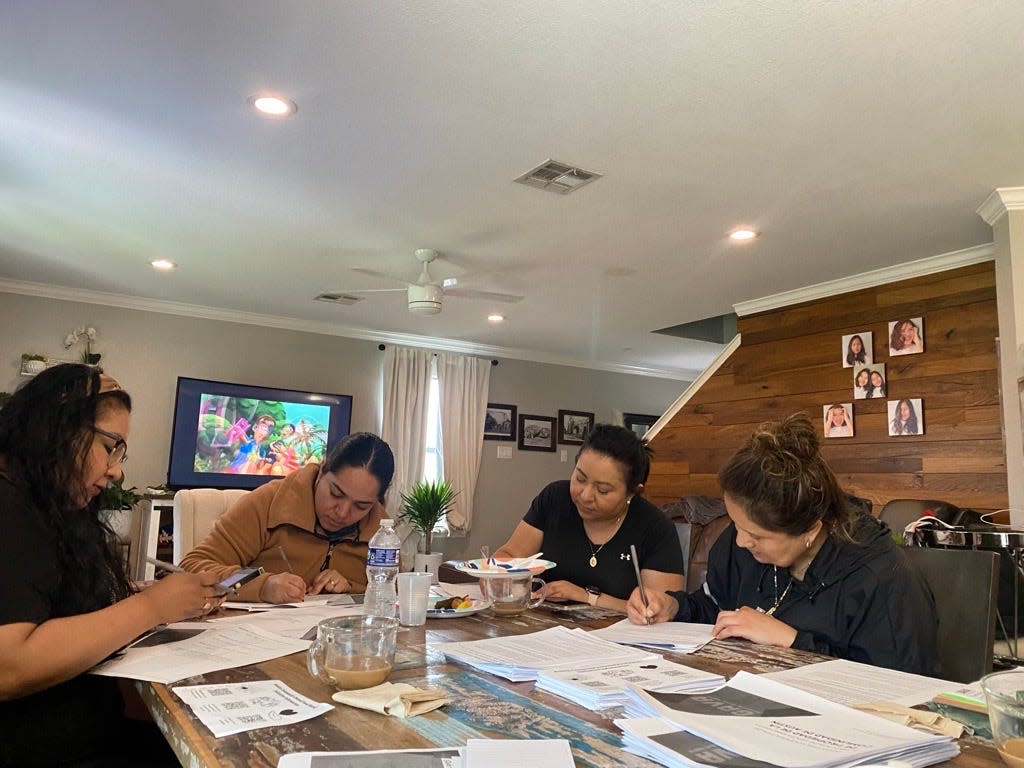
[375, 290]
[382, 275]
[469, 293]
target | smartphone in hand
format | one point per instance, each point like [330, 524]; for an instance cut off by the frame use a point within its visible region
[235, 580]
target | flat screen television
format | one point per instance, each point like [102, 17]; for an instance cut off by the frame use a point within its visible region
[240, 436]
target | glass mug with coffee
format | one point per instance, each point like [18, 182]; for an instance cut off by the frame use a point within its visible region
[354, 651]
[1004, 695]
[513, 594]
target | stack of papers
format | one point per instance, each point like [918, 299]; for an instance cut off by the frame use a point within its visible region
[601, 685]
[772, 723]
[523, 657]
[678, 636]
[478, 753]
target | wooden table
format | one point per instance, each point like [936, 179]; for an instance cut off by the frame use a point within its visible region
[481, 705]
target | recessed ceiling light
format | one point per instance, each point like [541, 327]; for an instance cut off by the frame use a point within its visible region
[742, 234]
[163, 265]
[273, 106]
[495, 318]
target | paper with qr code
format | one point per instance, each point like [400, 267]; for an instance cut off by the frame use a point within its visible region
[236, 707]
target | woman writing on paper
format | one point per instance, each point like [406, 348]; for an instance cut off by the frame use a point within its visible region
[586, 524]
[67, 603]
[800, 567]
[308, 531]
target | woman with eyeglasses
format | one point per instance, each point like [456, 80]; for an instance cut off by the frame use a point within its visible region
[308, 531]
[67, 603]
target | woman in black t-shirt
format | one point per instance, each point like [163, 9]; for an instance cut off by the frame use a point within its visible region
[586, 525]
[67, 603]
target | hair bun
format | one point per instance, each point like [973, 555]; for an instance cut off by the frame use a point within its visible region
[784, 446]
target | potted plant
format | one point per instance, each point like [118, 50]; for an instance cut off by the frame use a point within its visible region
[32, 364]
[87, 334]
[115, 505]
[423, 508]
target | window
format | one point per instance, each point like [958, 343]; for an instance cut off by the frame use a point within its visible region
[433, 462]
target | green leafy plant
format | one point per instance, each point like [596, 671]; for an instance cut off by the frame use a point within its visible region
[425, 505]
[26, 356]
[116, 496]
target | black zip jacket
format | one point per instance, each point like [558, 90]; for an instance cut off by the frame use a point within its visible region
[862, 600]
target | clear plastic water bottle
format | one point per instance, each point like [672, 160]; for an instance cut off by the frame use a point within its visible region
[381, 570]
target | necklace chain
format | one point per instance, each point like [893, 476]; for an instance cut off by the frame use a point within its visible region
[778, 598]
[593, 552]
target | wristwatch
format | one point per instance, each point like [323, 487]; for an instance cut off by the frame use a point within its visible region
[593, 593]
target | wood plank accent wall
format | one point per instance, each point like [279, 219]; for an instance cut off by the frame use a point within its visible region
[789, 360]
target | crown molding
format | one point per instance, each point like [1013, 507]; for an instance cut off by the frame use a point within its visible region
[124, 301]
[911, 269]
[1001, 200]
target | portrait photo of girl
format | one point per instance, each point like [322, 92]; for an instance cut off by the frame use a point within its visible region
[906, 417]
[906, 336]
[856, 349]
[838, 419]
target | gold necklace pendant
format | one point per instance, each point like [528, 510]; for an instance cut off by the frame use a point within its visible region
[593, 560]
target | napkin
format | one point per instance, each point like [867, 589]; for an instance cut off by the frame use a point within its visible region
[921, 719]
[396, 699]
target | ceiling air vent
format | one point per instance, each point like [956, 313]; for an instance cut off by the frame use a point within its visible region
[338, 298]
[557, 177]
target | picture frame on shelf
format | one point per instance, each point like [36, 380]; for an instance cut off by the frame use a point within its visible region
[536, 433]
[500, 422]
[639, 423]
[574, 426]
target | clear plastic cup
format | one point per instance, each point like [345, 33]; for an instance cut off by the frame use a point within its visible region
[1004, 694]
[413, 592]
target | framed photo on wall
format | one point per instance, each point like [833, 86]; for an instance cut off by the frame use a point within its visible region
[906, 336]
[500, 422]
[536, 433]
[838, 418]
[906, 417]
[573, 426]
[856, 349]
[639, 423]
[869, 381]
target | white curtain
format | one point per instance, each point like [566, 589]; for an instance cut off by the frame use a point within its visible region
[406, 392]
[463, 386]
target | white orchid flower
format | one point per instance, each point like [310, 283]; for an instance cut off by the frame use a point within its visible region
[69, 340]
[90, 333]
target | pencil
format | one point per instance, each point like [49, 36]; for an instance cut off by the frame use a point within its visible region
[287, 562]
[169, 567]
[639, 579]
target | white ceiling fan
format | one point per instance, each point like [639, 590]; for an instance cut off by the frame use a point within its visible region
[426, 295]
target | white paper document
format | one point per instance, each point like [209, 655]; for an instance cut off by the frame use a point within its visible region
[214, 649]
[521, 657]
[763, 720]
[851, 683]
[677, 636]
[236, 707]
[309, 600]
[296, 622]
[601, 685]
[447, 757]
[509, 753]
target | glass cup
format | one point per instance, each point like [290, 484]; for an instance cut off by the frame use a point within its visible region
[1004, 694]
[511, 595]
[353, 651]
[413, 591]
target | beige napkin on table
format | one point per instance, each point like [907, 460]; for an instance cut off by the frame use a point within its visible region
[922, 719]
[396, 699]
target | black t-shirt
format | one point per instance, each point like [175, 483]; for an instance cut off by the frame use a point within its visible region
[75, 719]
[566, 543]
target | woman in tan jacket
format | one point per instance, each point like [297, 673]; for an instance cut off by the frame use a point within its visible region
[308, 531]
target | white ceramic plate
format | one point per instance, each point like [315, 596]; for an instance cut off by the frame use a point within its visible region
[454, 613]
[482, 570]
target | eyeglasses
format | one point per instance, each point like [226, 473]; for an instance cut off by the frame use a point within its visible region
[119, 453]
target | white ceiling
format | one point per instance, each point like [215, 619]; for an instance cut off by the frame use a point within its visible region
[853, 135]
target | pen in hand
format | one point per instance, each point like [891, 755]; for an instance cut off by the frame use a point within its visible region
[287, 562]
[163, 565]
[639, 579]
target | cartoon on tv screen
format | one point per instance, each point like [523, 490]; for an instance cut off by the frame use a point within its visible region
[242, 436]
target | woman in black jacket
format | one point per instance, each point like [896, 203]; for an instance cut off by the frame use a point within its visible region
[800, 567]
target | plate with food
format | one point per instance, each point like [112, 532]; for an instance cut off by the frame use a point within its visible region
[441, 607]
[496, 567]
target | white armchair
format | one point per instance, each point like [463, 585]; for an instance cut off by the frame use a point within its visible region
[194, 514]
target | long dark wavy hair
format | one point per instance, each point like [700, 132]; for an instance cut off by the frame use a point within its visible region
[45, 437]
[783, 482]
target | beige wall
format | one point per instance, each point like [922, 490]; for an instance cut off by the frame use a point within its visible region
[147, 352]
